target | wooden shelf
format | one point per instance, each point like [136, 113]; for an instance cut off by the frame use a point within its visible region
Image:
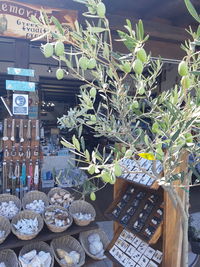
[45, 235]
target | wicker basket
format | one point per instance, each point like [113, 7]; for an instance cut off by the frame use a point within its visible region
[34, 195]
[9, 257]
[54, 191]
[83, 237]
[83, 207]
[7, 198]
[4, 226]
[54, 228]
[38, 246]
[68, 243]
[27, 214]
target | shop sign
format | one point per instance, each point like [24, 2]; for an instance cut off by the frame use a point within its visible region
[20, 86]
[15, 19]
[20, 104]
[20, 72]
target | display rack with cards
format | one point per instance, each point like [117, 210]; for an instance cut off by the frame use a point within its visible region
[128, 250]
[139, 210]
[129, 166]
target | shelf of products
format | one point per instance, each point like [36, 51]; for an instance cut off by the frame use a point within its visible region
[45, 235]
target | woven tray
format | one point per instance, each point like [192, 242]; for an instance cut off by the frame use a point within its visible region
[83, 237]
[9, 257]
[8, 197]
[34, 195]
[26, 214]
[68, 243]
[84, 207]
[38, 246]
[53, 227]
[4, 226]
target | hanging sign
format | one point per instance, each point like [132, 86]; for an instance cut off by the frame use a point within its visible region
[20, 104]
[21, 72]
[15, 19]
[20, 86]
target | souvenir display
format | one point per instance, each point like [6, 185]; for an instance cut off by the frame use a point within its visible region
[131, 251]
[70, 258]
[130, 165]
[95, 245]
[141, 211]
[57, 217]
[37, 206]
[61, 197]
[21, 160]
[8, 209]
[32, 258]
[27, 226]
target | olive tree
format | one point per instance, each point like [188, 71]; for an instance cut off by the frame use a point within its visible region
[111, 108]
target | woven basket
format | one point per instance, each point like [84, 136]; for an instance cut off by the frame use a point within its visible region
[9, 257]
[27, 214]
[4, 226]
[54, 228]
[83, 207]
[34, 195]
[38, 246]
[83, 237]
[68, 243]
[54, 191]
[7, 198]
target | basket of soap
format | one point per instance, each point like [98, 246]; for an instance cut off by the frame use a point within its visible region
[82, 212]
[36, 254]
[27, 224]
[9, 206]
[35, 201]
[5, 228]
[68, 252]
[57, 218]
[94, 242]
[60, 196]
[8, 258]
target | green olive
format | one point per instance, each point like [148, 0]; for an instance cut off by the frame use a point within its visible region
[141, 55]
[93, 196]
[59, 74]
[138, 66]
[101, 10]
[183, 68]
[185, 82]
[92, 63]
[59, 48]
[48, 50]
[83, 62]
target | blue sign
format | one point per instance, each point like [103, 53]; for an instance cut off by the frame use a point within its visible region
[20, 86]
[21, 72]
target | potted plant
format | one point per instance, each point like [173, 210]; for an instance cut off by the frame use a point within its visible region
[110, 108]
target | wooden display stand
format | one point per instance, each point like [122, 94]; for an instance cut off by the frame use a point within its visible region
[171, 233]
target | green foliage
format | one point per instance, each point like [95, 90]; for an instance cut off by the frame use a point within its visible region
[120, 110]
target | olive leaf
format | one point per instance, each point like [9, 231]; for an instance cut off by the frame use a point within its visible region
[57, 24]
[192, 10]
